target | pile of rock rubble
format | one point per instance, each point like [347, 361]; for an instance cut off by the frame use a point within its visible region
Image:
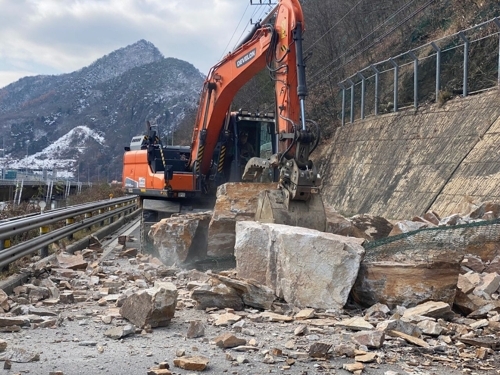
[274, 287]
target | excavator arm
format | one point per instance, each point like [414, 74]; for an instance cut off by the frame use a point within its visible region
[275, 44]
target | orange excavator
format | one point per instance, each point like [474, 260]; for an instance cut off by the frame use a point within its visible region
[166, 177]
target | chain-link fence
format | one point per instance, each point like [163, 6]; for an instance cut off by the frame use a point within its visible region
[429, 244]
[460, 64]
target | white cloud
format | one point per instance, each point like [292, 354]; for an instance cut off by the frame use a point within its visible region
[54, 36]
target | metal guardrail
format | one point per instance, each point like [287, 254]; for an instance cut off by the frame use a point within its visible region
[107, 209]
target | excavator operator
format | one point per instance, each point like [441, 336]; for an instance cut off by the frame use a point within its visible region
[246, 149]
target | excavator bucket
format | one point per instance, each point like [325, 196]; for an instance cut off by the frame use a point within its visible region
[273, 206]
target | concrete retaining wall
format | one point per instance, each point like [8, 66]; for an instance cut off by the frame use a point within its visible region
[401, 165]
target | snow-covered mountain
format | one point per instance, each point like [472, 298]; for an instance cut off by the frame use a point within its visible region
[85, 118]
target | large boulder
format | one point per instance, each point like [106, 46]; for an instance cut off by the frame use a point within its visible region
[236, 201]
[182, 238]
[305, 267]
[407, 276]
[154, 306]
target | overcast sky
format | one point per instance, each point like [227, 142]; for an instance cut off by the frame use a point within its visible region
[61, 36]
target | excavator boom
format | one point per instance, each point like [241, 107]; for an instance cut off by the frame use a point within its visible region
[158, 172]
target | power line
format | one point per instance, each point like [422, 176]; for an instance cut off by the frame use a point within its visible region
[363, 39]
[336, 24]
[331, 28]
[377, 40]
[234, 32]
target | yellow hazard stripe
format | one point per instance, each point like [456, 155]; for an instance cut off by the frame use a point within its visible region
[200, 156]
[221, 159]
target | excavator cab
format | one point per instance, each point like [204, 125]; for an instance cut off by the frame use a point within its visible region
[248, 135]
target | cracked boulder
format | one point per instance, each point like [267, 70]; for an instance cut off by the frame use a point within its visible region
[154, 306]
[305, 267]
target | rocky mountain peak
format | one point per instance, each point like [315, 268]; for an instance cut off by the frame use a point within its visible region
[118, 62]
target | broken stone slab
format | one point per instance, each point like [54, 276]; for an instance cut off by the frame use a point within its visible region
[464, 284]
[430, 328]
[218, 296]
[433, 309]
[353, 367]
[6, 321]
[154, 306]
[158, 371]
[411, 339]
[195, 363]
[356, 324]
[485, 207]
[120, 331]
[375, 227]
[251, 293]
[366, 358]
[182, 238]
[484, 342]
[474, 263]
[483, 311]
[400, 326]
[225, 319]
[4, 301]
[319, 350]
[407, 278]
[235, 202]
[20, 355]
[273, 317]
[371, 339]
[196, 329]
[304, 314]
[73, 262]
[406, 226]
[379, 310]
[338, 224]
[228, 340]
[489, 284]
[305, 267]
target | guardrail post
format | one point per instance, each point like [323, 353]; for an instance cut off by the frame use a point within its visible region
[466, 62]
[343, 102]
[70, 221]
[352, 98]
[396, 83]
[44, 251]
[4, 244]
[363, 86]
[101, 211]
[438, 69]
[377, 79]
[88, 215]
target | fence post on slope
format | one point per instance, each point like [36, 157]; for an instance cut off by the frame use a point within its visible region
[497, 22]
[377, 76]
[466, 62]
[415, 79]
[341, 84]
[396, 83]
[363, 88]
[438, 68]
[352, 98]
